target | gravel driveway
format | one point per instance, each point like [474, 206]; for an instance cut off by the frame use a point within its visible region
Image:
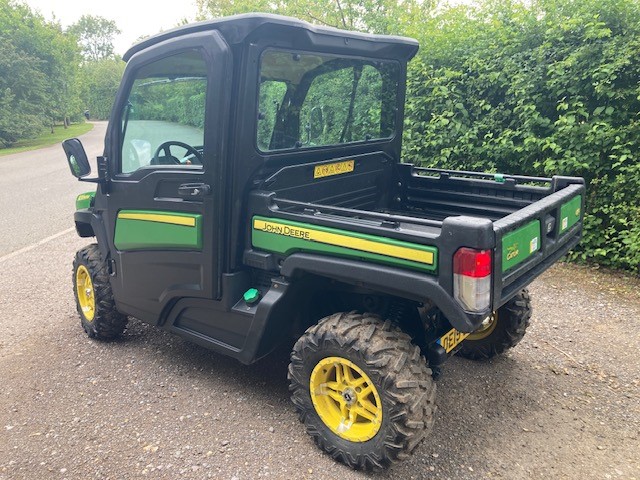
[564, 404]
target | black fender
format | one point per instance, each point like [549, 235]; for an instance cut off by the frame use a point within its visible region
[389, 280]
[90, 224]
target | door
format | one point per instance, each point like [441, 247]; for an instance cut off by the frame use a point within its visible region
[166, 139]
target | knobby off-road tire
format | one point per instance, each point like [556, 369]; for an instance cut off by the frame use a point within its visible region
[507, 328]
[94, 298]
[388, 376]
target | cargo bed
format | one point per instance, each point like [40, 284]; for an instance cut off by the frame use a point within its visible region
[528, 222]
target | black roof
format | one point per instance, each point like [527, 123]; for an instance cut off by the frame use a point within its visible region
[237, 28]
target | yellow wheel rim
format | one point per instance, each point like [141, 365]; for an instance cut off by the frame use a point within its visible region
[346, 399]
[84, 289]
[486, 329]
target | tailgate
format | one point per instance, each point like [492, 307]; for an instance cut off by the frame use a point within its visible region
[530, 240]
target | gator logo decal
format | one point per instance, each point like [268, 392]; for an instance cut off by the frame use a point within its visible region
[570, 213]
[512, 251]
[520, 244]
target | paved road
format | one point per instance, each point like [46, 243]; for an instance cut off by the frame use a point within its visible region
[563, 404]
[37, 192]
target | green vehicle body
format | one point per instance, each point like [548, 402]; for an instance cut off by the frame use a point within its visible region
[287, 211]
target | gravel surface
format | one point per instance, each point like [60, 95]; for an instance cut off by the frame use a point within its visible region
[563, 404]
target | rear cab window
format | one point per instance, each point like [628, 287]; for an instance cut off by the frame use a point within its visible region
[309, 100]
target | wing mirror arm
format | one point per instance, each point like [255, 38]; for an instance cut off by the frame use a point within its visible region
[102, 170]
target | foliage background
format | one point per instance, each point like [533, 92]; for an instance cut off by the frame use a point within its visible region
[538, 87]
[50, 75]
[542, 87]
[551, 88]
[39, 66]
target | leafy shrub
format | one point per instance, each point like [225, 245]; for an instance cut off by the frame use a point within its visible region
[550, 88]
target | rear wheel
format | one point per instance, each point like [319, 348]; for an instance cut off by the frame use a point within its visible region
[94, 298]
[502, 331]
[363, 391]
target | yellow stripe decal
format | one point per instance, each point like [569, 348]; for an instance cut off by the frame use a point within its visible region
[159, 218]
[345, 241]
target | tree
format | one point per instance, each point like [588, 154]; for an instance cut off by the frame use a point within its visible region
[39, 66]
[21, 93]
[95, 35]
[373, 16]
[100, 82]
[64, 77]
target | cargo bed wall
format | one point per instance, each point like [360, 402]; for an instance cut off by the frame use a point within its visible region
[439, 194]
[530, 240]
[373, 183]
[361, 182]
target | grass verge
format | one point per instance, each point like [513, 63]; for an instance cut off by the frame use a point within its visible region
[59, 134]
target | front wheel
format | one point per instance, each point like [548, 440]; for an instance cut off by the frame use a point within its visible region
[363, 391]
[502, 331]
[94, 298]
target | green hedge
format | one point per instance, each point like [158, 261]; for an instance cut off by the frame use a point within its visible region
[548, 88]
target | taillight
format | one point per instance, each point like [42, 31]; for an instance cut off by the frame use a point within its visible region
[472, 278]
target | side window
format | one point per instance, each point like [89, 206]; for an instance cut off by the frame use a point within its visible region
[315, 100]
[163, 120]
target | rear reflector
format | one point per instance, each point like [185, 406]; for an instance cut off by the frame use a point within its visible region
[472, 278]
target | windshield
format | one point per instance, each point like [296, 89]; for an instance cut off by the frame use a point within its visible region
[314, 100]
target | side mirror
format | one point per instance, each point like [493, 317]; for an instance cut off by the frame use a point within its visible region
[77, 157]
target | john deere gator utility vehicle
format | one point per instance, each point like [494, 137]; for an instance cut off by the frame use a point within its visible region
[252, 191]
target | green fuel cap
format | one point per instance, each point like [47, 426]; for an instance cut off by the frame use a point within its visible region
[251, 296]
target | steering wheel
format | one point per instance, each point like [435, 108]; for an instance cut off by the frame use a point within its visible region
[166, 147]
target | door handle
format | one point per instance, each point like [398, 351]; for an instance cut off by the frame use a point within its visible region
[193, 190]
